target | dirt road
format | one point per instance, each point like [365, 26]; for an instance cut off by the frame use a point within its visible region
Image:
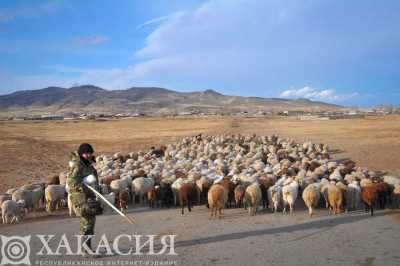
[238, 239]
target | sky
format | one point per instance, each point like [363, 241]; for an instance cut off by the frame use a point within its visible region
[343, 52]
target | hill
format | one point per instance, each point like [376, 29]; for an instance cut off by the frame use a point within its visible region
[93, 99]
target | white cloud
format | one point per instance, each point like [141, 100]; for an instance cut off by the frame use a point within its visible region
[154, 21]
[316, 94]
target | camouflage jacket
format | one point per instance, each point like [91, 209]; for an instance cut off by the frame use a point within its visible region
[78, 169]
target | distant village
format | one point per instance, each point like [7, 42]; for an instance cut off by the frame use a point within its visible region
[348, 113]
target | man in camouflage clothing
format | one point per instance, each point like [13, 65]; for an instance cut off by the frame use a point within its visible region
[81, 166]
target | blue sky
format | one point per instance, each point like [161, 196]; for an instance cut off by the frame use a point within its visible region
[345, 52]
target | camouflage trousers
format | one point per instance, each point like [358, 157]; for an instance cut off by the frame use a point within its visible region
[82, 210]
[86, 224]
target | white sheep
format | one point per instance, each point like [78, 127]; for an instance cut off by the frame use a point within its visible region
[4, 197]
[392, 180]
[275, 197]
[12, 211]
[140, 186]
[353, 196]
[119, 185]
[54, 194]
[311, 196]
[252, 197]
[289, 195]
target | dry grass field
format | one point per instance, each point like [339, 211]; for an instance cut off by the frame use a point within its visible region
[35, 150]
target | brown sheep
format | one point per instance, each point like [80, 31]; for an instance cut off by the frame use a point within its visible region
[217, 197]
[369, 196]
[229, 190]
[187, 194]
[151, 197]
[335, 199]
[107, 180]
[384, 192]
[239, 195]
[265, 183]
[122, 199]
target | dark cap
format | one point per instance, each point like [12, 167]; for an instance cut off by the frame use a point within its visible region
[85, 148]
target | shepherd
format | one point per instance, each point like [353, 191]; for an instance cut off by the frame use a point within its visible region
[86, 206]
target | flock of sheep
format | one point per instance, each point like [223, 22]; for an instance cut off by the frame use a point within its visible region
[221, 171]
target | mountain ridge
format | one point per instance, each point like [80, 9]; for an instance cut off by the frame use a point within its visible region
[92, 98]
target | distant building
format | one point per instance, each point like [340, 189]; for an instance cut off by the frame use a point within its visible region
[52, 117]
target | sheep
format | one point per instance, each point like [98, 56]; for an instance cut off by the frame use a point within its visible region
[4, 197]
[118, 185]
[187, 194]
[239, 195]
[107, 180]
[12, 211]
[151, 197]
[369, 196]
[384, 191]
[122, 198]
[25, 195]
[252, 197]
[289, 195]
[265, 183]
[391, 180]
[140, 186]
[311, 196]
[353, 196]
[217, 197]
[275, 197]
[229, 187]
[54, 194]
[324, 185]
[343, 189]
[270, 161]
[203, 185]
[176, 185]
[164, 195]
[335, 199]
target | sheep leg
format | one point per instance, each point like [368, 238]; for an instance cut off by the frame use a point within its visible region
[291, 209]
[220, 213]
[310, 211]
[189, 203]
